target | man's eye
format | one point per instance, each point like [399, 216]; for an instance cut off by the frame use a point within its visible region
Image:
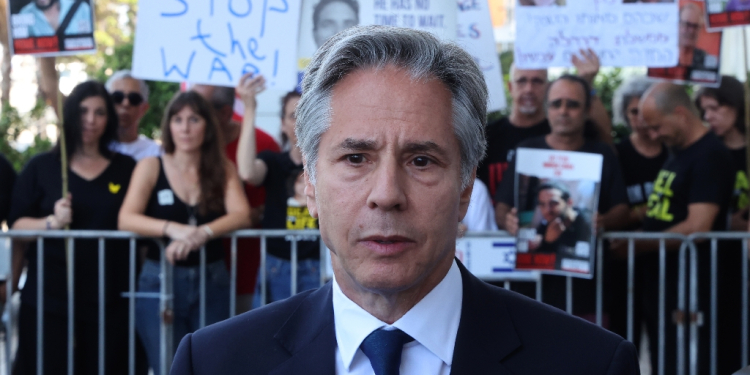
[421, 161]
[355, 158]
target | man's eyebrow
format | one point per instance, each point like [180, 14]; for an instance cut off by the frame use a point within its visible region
[428, 146]
[351, 144]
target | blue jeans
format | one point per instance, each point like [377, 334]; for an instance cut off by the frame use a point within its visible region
[186, 289]
[279, 278]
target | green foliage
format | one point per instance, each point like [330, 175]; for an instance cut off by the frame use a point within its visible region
[11, 125]
[605, 85]
[160, 92]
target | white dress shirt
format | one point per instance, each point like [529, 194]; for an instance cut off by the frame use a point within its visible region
[432, 322]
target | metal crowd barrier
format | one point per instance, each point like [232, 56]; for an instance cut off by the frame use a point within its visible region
[687, 247]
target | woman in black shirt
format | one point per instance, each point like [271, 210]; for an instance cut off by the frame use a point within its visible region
[188, 196]
[723, 108]
[98, 181]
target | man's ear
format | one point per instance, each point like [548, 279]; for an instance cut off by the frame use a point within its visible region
[465, 198]
[312, 203]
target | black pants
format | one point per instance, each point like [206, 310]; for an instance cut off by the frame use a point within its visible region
[86, 341]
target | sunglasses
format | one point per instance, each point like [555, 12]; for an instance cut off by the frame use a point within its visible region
[134, 98]
[557, 104]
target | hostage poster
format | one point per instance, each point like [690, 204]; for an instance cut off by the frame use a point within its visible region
[557, 193]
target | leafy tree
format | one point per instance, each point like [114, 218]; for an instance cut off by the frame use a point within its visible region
[11, 126]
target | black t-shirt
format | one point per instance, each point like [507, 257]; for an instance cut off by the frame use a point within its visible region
[7, 179]
[502, 139]
[700, 173]
[740, 198]
[165, 204]
[95, 205]
[638, 171]
[279, 214]
[612, 188]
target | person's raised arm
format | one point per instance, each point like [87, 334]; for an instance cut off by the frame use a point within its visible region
[587, 67]
[251, 169]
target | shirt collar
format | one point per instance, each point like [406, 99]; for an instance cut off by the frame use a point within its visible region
[432, 322]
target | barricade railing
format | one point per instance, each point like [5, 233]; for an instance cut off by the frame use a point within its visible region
[687, 246]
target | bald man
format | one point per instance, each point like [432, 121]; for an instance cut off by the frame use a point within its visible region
[691, 194]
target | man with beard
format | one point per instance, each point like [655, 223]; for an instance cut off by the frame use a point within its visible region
[528, 119]
[563, 227]
[49, 14]
[130, 96]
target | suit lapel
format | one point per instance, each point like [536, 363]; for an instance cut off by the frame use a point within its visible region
[309, 336]
[485, 333]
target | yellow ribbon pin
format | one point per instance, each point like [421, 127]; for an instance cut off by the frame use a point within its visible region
[114, 188]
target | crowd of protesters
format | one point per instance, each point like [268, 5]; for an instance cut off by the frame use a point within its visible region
[682, 169]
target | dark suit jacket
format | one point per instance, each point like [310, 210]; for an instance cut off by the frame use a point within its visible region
[500, 332]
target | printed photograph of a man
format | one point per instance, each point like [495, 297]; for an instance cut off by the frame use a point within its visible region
[563, 226]
[332, 16]
[691, 27]
[39, 18]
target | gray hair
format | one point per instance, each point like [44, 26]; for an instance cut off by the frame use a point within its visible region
[126, 74]
[422, 55]
[631, 89]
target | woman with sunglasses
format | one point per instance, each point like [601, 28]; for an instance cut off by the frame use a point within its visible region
[130, 96]
[189, 196]
[98, 180]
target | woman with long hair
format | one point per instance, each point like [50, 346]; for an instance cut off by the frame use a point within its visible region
[98, 181]
[189, 196]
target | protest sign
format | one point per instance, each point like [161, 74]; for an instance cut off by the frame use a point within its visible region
[622, 33]
[557, 193]
[321, 19]
[32, 31]
[475, 35]
[723, 13]
[216, 42]
[698, 52]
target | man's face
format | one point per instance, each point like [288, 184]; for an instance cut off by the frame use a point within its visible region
[551, 204]
[665, 128]
[527, 90]
[566, 108]
[388, 194]
[129, 115]
[335, 17]
[691, 21]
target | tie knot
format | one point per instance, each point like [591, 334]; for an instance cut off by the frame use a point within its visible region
[383, 348]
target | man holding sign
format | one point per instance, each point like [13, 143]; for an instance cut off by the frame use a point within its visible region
[568, 107]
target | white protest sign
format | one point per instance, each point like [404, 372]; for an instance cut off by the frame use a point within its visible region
[215, 42]
[633, 34]
[476, 36]
[437, 17]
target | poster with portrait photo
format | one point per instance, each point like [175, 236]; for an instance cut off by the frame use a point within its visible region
[321, 19]
[51, 27]
[556, 195]
[726, 13]
[698, 50]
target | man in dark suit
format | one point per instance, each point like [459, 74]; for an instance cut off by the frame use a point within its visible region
[391, 130]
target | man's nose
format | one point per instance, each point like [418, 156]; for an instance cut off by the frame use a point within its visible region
[387, 190]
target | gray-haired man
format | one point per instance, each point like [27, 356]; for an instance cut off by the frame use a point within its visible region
[130, 96]
[391, 130]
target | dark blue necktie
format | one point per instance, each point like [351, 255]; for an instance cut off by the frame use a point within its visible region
[383, 348]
